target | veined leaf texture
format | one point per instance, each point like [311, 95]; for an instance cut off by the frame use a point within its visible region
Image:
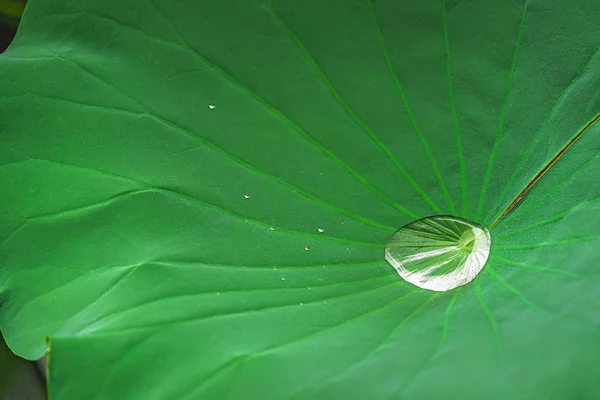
[167, 168]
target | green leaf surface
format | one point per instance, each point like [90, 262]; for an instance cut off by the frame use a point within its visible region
[171, 250]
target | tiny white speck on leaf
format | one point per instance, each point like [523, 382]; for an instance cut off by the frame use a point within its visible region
[307, 248]
[283, 278]
[271, 228]
[211, 106]
[321, 230]
[246, 196]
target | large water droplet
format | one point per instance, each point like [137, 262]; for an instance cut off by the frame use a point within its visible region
[439, 253]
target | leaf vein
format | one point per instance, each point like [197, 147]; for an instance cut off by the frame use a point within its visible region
[455, 121]
[490, 317]
[542, 128]
[410, 114]
[334, 92]
[503, 113]
[293, 125]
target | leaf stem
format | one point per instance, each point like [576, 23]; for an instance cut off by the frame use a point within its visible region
[539, 175]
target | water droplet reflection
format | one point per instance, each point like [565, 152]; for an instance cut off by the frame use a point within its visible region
[439, 253]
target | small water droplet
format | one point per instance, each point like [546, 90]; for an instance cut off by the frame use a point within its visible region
[211, 106]
[320, 229]
[246, 196]
[283, 278]
[307, 248]
[439, 253]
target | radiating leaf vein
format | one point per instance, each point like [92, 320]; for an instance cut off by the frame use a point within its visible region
[230, 156]
[503, 113]
[535, 138]
[490, 317]
[105, 319]
[274, 111]
[456, 124]
[334, 92]
[409, 112]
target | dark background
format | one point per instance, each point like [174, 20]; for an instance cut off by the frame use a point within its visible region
[10, 14]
